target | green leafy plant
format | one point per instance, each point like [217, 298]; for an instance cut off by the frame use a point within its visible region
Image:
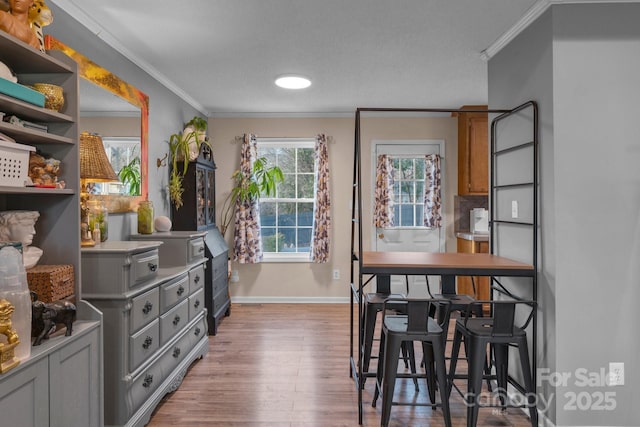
[262, 181]
[181, 148]
[130, 176]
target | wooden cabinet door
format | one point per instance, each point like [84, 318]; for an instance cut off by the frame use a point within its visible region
[478, 174]
[473, 153]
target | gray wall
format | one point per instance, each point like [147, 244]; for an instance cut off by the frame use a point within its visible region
[167, 112]
[581, 64]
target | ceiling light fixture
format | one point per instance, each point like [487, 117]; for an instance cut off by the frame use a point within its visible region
[291, 81]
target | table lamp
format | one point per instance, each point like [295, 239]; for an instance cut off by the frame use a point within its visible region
[94, 167]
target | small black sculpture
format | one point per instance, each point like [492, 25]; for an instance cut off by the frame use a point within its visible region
[45, 316]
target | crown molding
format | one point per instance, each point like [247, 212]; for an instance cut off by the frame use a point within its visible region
[76, 12]
[531, 15]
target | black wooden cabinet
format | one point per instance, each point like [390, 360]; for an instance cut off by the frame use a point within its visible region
[198, 210]
[198, 213]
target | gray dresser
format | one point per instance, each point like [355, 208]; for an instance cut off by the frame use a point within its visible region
[154, 320]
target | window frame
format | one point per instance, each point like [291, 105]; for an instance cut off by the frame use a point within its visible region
[287, 143]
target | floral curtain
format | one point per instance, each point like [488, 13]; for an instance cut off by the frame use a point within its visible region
[383, 209]
[247, 243]
[322, 206]
[432, 192]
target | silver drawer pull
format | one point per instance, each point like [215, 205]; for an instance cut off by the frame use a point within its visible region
[196, 331]
[196, 279]
[147, 307]
[196, 303]
[176, 320]
[180, 290]
[176, 352]
[201, 249]
[152, 267]
[147, 342]
[148, 379]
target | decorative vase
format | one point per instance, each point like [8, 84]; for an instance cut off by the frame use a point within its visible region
[145, 217]
[53, 95]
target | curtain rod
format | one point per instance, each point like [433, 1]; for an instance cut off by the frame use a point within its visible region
[241, 137]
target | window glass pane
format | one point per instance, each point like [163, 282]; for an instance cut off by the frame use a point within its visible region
[420, 192]
[305, 186]
[407, 168]
[269, 154]
[267, 214]
[305, 214]
[287, 188]
[286, 214]
[396, 192]
[287, 159]
[396, 214]
[407, 215]
[406, 192]
[419, 216]
[306, 160]
[304, 239]
[419, 169]
[288, 239]
[396, 169]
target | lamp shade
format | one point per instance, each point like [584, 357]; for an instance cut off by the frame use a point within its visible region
[94, 164]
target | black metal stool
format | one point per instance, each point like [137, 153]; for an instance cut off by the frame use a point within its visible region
[415, 325]
[499, 331]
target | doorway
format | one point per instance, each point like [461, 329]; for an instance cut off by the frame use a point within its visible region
[408, 234]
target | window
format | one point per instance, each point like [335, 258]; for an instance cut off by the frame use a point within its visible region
[120, 152]
[408, 190]
[286, 220]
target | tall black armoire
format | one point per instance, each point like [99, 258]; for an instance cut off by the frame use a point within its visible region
[198, 213]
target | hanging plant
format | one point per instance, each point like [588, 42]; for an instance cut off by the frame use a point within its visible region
[185, 146]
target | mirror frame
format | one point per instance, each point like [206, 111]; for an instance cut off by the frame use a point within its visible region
[89, 70]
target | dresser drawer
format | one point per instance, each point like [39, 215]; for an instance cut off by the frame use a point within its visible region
[172, 321]
[144, 266]
[195, 250]
[144, 308]
[198, 331]
[196, 303]
[196, 278]
[174, 291]
[175, 353]
[144, 385]
[143, 344]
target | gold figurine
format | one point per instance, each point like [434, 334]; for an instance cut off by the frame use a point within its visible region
[7, 350]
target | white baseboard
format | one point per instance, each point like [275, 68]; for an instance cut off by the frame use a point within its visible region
[290, 300]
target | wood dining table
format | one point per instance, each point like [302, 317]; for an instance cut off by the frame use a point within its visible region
[448, 265]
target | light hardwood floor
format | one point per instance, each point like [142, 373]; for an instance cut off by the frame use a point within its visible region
[287, 365]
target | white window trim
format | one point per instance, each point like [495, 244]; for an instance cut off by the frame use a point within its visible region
[288, 257]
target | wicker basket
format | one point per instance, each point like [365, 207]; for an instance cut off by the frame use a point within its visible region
[51, 282]
[14, 163]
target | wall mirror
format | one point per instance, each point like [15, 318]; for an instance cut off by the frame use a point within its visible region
[119, 112]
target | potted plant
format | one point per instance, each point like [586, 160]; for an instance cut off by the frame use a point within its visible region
[262, 181]
[185, 146]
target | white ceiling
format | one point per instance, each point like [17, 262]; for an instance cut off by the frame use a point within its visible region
[222, 56]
